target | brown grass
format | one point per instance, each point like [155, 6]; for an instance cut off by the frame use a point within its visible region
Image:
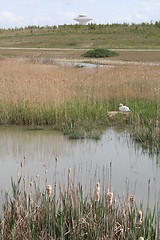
[128, 55]
[51, 84]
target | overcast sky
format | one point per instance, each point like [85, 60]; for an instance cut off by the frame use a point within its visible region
[21, 13]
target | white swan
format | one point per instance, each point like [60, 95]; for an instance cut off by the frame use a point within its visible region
[123, 108]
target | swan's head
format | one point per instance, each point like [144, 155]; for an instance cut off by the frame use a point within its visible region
[120, 105]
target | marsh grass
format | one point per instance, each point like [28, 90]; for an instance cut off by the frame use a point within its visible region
[60, 212]
[77, 101]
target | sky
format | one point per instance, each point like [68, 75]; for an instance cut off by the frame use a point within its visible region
[21, 13]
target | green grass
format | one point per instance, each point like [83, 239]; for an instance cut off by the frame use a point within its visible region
[90, 36]
[88, 119]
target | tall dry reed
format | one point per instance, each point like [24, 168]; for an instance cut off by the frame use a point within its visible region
[71, 98]
[48, 84]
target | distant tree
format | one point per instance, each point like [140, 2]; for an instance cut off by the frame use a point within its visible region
[77, 26]
[54, 27]
[143, 24]
[92, 26]
[157, 24]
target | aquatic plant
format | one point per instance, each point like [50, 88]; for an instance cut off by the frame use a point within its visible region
[66, 213]
[77, 101]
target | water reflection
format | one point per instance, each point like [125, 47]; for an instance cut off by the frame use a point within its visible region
[88, 159]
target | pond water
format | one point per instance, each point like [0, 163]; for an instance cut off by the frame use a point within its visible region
[81, 64]
[115, 160]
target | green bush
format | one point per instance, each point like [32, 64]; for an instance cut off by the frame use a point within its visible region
[100, 53]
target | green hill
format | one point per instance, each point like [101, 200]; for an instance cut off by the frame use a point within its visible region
[143, 35]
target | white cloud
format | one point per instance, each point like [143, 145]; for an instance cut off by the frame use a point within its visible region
[64, 17]
[130, 18]
[151, 6]
[8, 18]
[69, 1]
[141, 18]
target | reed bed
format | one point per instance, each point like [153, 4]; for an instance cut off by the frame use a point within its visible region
[47, 84]
[75, 99]
[61, 212]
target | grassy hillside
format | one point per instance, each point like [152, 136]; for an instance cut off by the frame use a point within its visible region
[90, 36]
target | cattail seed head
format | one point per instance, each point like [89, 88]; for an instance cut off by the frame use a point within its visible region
[109, 197]
[31, 184]
[98, 191]
[139, 217]
[49, 190]
[69, 170]
[131, 199]
[37, 176]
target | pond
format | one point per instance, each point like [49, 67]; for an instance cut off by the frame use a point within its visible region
[115, 160]
[81, 64]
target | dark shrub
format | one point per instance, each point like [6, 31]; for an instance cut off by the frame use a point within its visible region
[99, 53]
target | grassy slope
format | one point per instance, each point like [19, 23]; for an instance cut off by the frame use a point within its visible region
[91, 36]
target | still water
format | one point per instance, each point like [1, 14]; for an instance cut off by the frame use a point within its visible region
[115, 160]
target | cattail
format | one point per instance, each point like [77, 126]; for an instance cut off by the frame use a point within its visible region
[37, 176]
[31, 184]
[131, 200]
[109, 197]
[38, 182]
[98, 191]
[69, 171]
[49, 190]
[45, 167]
[139, 217]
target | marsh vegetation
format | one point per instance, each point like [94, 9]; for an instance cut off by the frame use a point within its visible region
[77, 101]
[65, 212]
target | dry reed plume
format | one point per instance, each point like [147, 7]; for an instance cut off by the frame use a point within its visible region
[48, 84]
